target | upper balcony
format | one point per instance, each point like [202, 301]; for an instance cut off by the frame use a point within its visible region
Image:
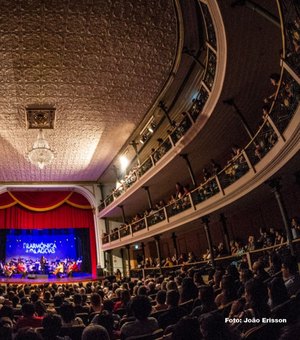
[272, 146]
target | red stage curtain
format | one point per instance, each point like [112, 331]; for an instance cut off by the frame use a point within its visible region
[48, 210]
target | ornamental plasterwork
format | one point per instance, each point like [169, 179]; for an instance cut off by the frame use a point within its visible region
[100, 63]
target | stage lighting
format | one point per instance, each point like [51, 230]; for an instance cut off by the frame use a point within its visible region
[124, 163]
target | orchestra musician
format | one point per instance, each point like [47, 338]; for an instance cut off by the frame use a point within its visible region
[59, 270]
[21, 269]
[72, 267]
[8, 270]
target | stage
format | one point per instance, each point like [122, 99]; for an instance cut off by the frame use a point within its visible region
[38, 279]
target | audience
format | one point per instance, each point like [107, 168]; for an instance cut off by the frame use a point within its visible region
[141, 309]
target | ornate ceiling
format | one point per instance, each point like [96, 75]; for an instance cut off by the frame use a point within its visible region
[100, 63]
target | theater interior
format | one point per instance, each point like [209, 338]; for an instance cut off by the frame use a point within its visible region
[150, 169]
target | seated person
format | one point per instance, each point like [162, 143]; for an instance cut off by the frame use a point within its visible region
[259, 271]
[69, 318]
[290, 275]
[160, 301]
[95, 332]
[206, 296]
[141, 309]
[174, 312]
[28, 318]
[52, 325]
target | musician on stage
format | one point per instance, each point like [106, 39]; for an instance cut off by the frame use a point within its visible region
[8, 270]
[59, 270]
[43, 264]
[72, 267]
[21, 269]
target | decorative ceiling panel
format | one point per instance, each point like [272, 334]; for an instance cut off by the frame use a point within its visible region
[100, 63]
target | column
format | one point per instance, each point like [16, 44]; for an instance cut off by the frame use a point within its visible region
[143, 251]
[205, 222]
[123, 261]
[239, 114]
[134, 144]
[163, 107]
[149, 197]
[191, 172]
[128, 258]
[157, 243]
[109, 262]
[258, 9]
[225, 233]
[174, 239]
[123, 213]
[275, 188]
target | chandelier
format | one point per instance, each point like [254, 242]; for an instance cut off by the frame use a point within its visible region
[40, 154]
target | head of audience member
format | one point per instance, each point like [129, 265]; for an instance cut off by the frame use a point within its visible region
[171, 285]
[106, 320]
[277, 292]
[142, 290]
[47, 296]
[217, 277]
[198, 279]
[6, 328]
[67, 312]
[52, 325]
[245, 275]
[187, 328]
[189, 290]
[207, 295]
[256, 296]
[77, 299]
[40, 308]
[289, 267]
[57, 300]
[7, 311]
[95, 332]
[27, 334]
[141, 307]
[28, 310]
[173, 298]
[96, 302]
[233, 271]
[228, 287]
[161, 297]
[213, 327]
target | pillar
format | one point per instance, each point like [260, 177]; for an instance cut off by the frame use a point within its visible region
[191, 172]
[128, 258]
[149, 197]
[225, 233]
[241, 117]
[134, 144]
[174, 239]
[163, 107]
[123, 213]
[275, 188]
[205, 221]
[123, 261]
[157, 243]
[143, 251]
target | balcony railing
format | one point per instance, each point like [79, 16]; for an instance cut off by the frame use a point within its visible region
[283, 108]
[263, 141]
[188, 120]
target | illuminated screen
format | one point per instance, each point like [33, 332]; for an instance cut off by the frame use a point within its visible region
[52, 244]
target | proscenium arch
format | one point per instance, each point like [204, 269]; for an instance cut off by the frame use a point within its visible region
[72, 187]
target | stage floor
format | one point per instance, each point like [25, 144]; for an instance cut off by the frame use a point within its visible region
[83, 277]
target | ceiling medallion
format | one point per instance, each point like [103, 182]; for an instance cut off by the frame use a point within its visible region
[42, 117]
[40, 153]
